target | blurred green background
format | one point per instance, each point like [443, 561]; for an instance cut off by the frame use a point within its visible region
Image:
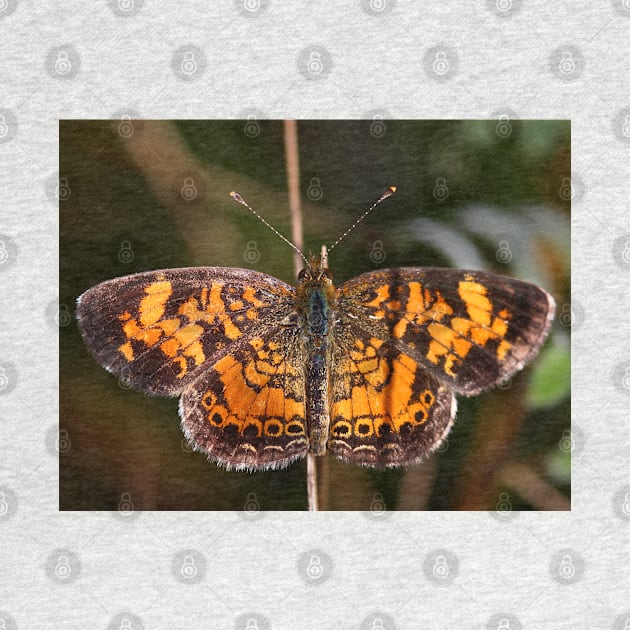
[142, 195]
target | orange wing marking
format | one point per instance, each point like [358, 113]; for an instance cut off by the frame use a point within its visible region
[379, 404]
[453, 342]
[266, 408]
[183, 333]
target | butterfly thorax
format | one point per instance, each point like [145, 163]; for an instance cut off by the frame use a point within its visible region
[316, 298]
[316, 302]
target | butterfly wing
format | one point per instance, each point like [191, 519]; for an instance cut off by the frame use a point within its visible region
[247, 411]
[160, 329]
[469, 329]
[406, 339]
[385, 410]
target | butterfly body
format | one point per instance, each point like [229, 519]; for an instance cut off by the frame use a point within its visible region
[315, 298]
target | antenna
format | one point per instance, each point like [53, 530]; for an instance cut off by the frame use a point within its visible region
[242, 201]
[388, 193]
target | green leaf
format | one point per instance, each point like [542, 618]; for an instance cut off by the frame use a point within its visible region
[558, 466]
[551, 380]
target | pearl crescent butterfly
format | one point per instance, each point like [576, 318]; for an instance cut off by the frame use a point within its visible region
[268, 372]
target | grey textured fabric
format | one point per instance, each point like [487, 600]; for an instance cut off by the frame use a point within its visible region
[305, 60]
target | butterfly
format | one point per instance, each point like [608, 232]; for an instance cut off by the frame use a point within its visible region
[268, 372]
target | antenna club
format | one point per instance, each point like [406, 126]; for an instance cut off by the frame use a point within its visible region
[393, 189]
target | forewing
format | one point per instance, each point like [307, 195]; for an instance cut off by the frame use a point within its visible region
[386, 410]
[247, 412]
[158, 330]
[469, 329]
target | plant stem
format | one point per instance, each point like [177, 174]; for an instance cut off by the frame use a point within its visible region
[293, 185]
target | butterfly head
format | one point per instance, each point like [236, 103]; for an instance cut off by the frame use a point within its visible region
[316, 277]
[315, 273]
